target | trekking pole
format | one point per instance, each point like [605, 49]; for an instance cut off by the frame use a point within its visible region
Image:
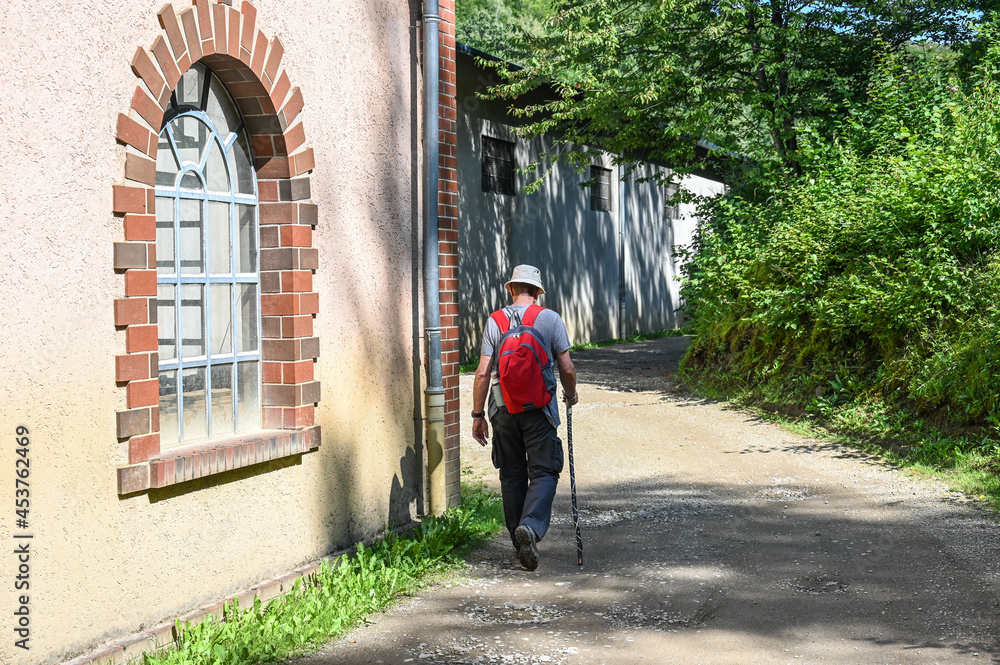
[572, 484]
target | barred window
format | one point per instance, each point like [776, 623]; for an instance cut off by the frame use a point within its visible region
[600, 191]
[208, 296]
[672, 208]
[498, 166]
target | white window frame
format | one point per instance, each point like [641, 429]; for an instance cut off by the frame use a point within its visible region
[176, 194]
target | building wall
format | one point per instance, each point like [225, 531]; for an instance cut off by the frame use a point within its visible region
[578, 250]
[103, 564]
[448, 262]
[575, 248]
[652, 263]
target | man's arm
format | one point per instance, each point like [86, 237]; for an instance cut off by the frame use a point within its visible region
[480, 389]
[567, 377]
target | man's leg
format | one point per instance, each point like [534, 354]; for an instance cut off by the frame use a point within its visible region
[509, 459]
[544, 460]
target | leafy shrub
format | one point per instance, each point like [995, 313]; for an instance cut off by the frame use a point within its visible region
[874, 278]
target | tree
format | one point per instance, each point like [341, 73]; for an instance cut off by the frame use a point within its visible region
[496, 26]
[654, 76]
[876, 279]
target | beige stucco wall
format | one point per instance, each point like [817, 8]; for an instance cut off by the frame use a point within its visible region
[102, 566]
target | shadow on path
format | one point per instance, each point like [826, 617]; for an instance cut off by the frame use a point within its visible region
[710, 537]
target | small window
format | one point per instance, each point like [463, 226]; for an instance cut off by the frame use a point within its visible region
[208, 300]
[498, 166]
[600, 191]
[672, 208]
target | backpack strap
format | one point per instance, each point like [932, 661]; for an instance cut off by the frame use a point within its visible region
[501, 320]
[531, 314]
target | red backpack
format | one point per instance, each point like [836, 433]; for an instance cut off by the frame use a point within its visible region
[527, 380]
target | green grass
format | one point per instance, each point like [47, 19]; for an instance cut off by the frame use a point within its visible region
[341, 594]
[469, 367]
[637, 337]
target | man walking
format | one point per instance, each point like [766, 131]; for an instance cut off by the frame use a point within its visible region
[526, 450]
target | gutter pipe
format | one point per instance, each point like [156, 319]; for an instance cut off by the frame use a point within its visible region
[434, 393]
[622, 256]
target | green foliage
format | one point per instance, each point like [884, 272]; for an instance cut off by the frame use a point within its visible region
[867, 290]
[650, 77]
[839, 392]
[339, 595]
[497, 26]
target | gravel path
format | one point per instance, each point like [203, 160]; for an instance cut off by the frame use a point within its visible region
[711, 537]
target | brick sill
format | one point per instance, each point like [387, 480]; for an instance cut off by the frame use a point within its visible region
[179, 465]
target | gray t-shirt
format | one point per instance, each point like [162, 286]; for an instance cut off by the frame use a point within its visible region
[550, 325]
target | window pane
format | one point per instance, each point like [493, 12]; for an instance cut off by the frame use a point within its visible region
[219, 244]
[247, 262]
[166, 165]
[190, 86]
[207, 243]
[239, 153]
[672, 209]
[600, 191]
[192, 321]
[249, 409]
[168, 407]
[195, 424]
[221, 110]
[191, 138]
[222, 400]
[166, 322]
[191, 182]
[222, 318]
[498, 166]
[192, 228]
[246, 311]
[165, 237]
[215, 170]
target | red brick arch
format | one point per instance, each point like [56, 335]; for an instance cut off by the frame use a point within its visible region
[249, 62]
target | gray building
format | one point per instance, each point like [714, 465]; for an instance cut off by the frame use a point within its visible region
[607, 253]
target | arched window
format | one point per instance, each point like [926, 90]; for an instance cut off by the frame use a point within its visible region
[208, 300]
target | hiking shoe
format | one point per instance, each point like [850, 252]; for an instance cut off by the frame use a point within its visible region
[528, 552]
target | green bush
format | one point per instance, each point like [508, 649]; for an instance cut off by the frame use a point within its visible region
[874, 279]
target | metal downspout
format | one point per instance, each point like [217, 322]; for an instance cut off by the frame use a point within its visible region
[622, 290]
[434, 393]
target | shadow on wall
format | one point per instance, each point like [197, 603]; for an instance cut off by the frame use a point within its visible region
[402, 507]
[652, 292]
[156, 495]
[364, 488]
[575, 248]
[579, 250]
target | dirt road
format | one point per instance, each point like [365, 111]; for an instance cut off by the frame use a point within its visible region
[711, 537]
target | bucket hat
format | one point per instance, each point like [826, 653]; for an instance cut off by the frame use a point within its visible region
[525, 274]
